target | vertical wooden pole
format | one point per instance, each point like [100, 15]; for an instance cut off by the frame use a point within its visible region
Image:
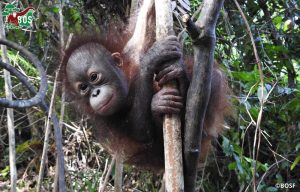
[10, 113]
[62, 107]
[171, 124]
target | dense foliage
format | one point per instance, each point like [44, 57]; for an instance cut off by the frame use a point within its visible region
[264, 146]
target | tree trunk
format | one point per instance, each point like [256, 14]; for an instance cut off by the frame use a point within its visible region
[204, 38]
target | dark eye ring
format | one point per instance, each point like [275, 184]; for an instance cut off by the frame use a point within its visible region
[83, 88]
[94, 77]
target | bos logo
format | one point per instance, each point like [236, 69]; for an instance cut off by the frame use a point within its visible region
[16, 19]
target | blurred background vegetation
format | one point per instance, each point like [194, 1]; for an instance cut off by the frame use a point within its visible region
[275, 26]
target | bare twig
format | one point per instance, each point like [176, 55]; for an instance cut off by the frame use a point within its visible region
[257, 136]
[62, 108]
[112, 163]
[103, 174]
[46, 142]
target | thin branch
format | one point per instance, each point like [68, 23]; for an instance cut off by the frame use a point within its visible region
[62, 108]
[46, 142]
[103, 174]
[102, 188]
[256, 143]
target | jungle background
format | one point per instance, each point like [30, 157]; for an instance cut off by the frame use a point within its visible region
[275, 28]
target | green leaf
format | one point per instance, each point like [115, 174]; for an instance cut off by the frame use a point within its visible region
[277, 21]
[27, 145]
[40, 38]
[227, 147]
[231, 166]
[246, 76]
[254, 111]
[4, 172]
[54, 10]
[239, 164]
[295, 162]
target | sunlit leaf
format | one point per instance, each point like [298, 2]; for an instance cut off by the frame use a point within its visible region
[296, 162]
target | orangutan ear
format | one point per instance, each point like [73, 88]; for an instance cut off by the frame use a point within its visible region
[118, 59]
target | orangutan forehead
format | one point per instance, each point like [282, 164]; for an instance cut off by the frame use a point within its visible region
[92, 48]
[90, 55]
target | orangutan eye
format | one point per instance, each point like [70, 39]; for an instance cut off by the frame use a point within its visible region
[83, 88]
[94, 77]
